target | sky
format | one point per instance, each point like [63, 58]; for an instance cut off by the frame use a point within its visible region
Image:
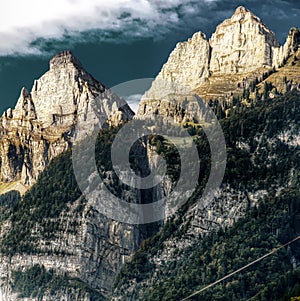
[116, 40]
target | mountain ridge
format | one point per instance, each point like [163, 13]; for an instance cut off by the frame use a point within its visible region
[55, 244]
[241, 49]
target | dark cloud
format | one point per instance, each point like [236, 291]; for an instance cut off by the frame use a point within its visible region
[278, 15]
[134, 21]
[139, 47]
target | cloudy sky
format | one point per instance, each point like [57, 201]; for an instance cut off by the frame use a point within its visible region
[116, 40]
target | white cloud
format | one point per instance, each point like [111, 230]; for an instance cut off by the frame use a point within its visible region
[133, 101]
[24, 22]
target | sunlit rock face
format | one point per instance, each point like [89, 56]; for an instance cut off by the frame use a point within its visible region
[241, 49]
[42, 125]
[242, 44]
[186, 68]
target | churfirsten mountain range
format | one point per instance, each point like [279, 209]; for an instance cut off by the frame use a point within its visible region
[56, 245]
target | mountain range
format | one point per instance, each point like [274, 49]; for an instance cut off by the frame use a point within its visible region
[55, 244]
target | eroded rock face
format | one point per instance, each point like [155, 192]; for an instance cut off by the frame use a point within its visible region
[241, 49]
[290, 47]
[242, 44]
[79, 242]
[186, 68]
[42, 124]
[86, 245]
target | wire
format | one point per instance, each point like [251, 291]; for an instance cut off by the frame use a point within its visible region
[241, 269]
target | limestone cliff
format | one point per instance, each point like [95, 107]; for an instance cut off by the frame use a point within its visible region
[63, 238]
[241, 49]
[42, 124]
[187, 68]
[260, 134]
[85, 245]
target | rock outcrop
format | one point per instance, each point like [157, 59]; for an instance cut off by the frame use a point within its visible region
[77, 244]
[85, 245]
[187, 68]
[42, 124]
[242, 44]
[241, 49]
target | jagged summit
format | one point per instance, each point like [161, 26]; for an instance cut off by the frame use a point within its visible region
[44, 119]
[65, 54]
[242, 44]
[65, 65]
[63, 58]
[61, 91]
[294, 38]
[241, 10]
[24, 93]
[242, 13]
[241, 49]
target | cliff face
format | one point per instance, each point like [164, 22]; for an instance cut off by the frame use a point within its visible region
[42, 124]
[242, 44]
[56, 230]
[241, 49]
[187, 67]
[259, 139]
[84, 245]
[71, 238]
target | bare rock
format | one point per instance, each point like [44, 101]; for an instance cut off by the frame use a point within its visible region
[242, 44]
[42, 124]
[242, 49]
[177, 76]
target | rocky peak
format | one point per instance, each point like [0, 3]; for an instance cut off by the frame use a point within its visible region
[242, 44]
[25, 107]
[187, 67]
[293, 39]
[241, 49]
[241, 10]
[64, 89]
[241, 13]
[64, 58]
[66, 66]
[24, 93]
[42, 125]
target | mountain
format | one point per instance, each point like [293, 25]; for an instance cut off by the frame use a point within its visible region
[56, 243]
[253, 84]
[75, 251]
[42, 124]
[242, 49]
